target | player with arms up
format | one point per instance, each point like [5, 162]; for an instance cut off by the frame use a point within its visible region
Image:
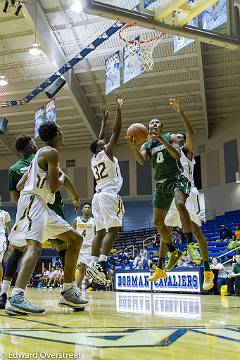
[164, 155]
[85, 226]
[35, 223]
[192, 204]
[107, 205]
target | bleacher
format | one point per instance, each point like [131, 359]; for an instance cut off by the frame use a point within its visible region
[211, 229]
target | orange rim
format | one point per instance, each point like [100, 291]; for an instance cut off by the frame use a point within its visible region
[131, 42]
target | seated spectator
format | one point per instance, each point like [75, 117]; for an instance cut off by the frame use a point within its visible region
[54, 277]
[126, 265]
[44, 277]
[220, 275]
[225, 233]
[234, 279]
[237, 232]
[233, 243]
[182, 263]
[140, 265]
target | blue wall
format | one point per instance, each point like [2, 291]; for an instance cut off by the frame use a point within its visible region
[138, 214]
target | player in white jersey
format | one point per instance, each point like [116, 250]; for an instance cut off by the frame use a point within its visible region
[5, 225]
[107, 205]
[192, 203]
[36, 222]
[85, 225]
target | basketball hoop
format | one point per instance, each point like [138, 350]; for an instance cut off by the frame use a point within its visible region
[147, 43]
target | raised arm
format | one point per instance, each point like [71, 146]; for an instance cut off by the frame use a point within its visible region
[175, 104]
[139, 154]
[104, 120]
[21, 183]
[116, 128]
[52, 160]
[73, 191]
[172, 148]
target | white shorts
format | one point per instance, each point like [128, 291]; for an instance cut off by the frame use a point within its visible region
[193, 207]
[85, 255]
[3, 247]
[108, 210]
[35, 221]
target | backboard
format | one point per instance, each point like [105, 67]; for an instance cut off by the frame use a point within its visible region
[174, 17]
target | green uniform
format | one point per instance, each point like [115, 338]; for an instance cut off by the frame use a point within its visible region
[168, 173]
[236, 268]
[14, 175]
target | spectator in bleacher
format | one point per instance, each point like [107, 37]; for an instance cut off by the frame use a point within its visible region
[233, 243]
[125, 265]
[45, 277]
[234, 279]
[237, 232]
[220, 275]
[140, 265]
[225, 233]
[182, 263]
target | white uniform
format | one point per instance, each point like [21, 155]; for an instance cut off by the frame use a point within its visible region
[107, 205]
[4, 219]
[34, 219]
[192, 203]
[86, 228]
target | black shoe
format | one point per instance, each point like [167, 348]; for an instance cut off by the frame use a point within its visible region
[3, 300]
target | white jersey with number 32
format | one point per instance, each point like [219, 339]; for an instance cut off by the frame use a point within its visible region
[106, 172]
[37, 182]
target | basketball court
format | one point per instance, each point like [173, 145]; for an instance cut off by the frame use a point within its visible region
[127, 325]
[169, 46]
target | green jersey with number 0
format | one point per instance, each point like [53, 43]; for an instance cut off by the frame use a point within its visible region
[164, 164]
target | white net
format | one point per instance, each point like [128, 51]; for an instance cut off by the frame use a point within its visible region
[145, 44]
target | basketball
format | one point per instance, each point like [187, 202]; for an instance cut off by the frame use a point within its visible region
[139, 132]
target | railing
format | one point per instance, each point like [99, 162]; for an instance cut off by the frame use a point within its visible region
[228, 252]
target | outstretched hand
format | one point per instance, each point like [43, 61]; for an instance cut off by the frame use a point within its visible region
[76, 204]
[119, 101]
[104, 112]
[175, 104]
[131, 142]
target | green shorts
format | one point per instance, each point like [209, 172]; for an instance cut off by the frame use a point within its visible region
[58, 208]
[164, 192]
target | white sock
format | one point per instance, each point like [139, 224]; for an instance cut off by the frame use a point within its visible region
[67, 286]
[5, 286]
[74, 284]
[17, 291]
[94, 260]
[103, 258]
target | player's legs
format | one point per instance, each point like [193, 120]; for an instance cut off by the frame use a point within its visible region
[97, 244]
[10, 271]
[208, 274]
[180, 202]
[80, 273]
[74, 241]
[166, 241]
[28, 264]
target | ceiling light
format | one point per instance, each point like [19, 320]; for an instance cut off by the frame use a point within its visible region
[3, 80]
[35, 49]
[77, 6]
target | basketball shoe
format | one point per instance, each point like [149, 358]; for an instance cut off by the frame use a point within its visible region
[208, 280]
[3, 300]
[72, 298]
[158, 274]
[98, 273]
[192, 250]
[174, 257]
[19, 305]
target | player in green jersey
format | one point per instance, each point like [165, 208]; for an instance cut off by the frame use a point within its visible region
[164, 154]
